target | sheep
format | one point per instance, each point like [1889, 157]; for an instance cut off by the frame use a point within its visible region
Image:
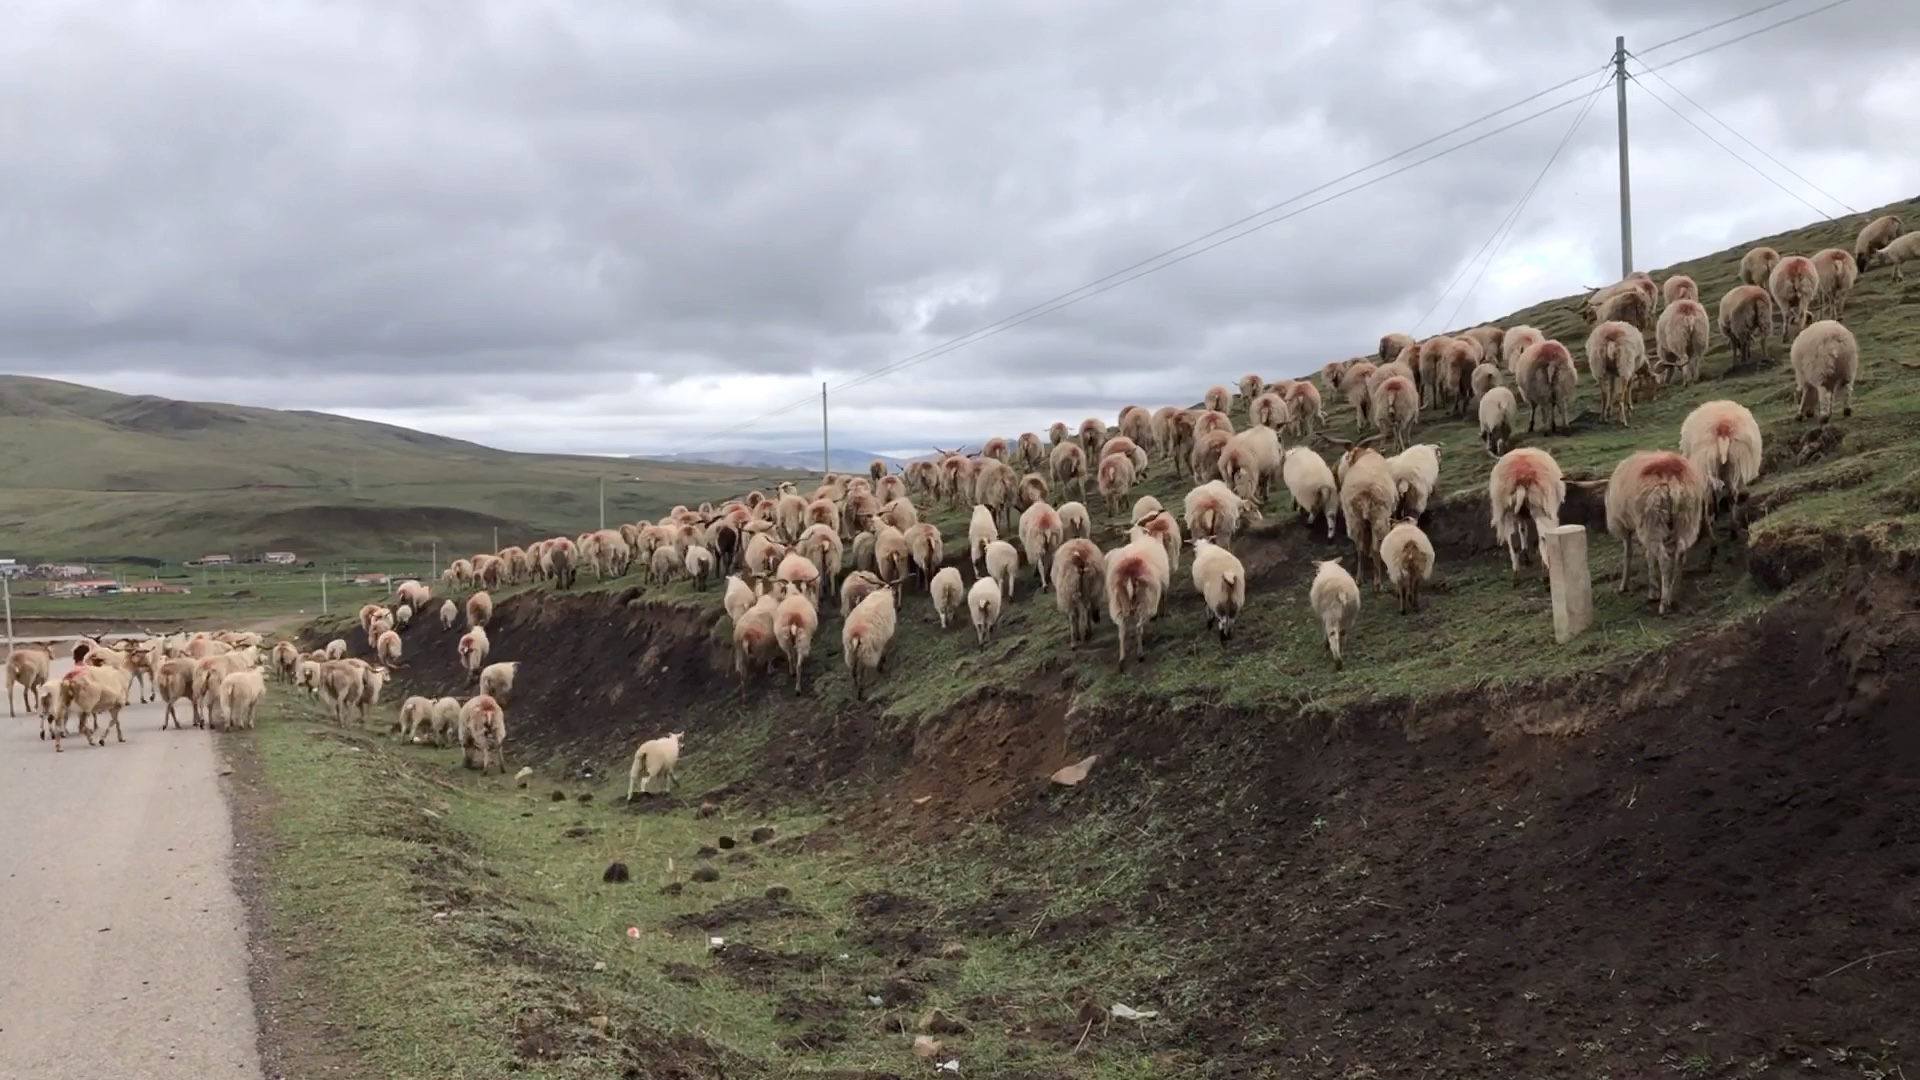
[983, 607]
[1453, 380]
[1057, 433]
[654, 759]
[1256, 459]
[876, 469]
[795, 621]
[1137, 577]
[665, 565]
[1040, 533]
[1897, 252]
[1144, 505]
[1490, 338]
[1396, 408]
[240, 694]
[1029, 451]
[1631, 306]
[900, 513]
[1391, 345]
[1546, 378]
[1497, 407]
[1826, 360]
[1204, 461]
[1269, 410]
[1660, 497]
[699, 566]
[1795, 286]
[1251, 386]
[89, 691]
[1078, 574]
[925, 551]
[473, 651]
[402, 616]
[1033, 489]
[754, 643]
[1677, 288]
[1075, 522]
[336, 649]
[306, 675]
[1756, 266]
[415, 715]
[1221, 581]
[1722, 440]
[857, 587]
[1416, 472]
[449, 614]
[1092, 432]
[949, 594]
[981, 531]
[1836, 272]
[1003, 565]
[864, 638]
[863, 548]
[28, 667]
[1213, 512]
[1516, 341]
[1163, 528]
[1876, 236]
[1525, 491]
[1681, 339]
[1304, 407]
[483, 728]
[1746, 318]
[1216, 399]
[1368, 497]
[1335, 598]
[1069, 465]
[1311, 484]
[496, 680]
[1359, 393]
[479, 609]
[1409, 558]
[1334, 372]
[1616, 353]
[388, 649]
[891, 557]
[1484, 378]
[738, 598]
[413, 594]
[1116, 478]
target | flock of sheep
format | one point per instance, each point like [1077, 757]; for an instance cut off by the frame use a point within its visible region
[217, 674]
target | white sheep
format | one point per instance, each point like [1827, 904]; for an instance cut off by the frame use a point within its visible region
[449, 614]
[1722, 439]
[1681, 339]
[1518, 340]
[483, 728]
[473, 651]
[1079, 571]
[388, 648]
[1221, 581]
[1876, 236]
[240, 694]
[1546, 379]
[795, 621]
[1040, 533]
[1756, 266]
[1396, 408]
[1409, 558]
[949, 593]
[865, 636]
[1310, 481]
[1677, 288]
[496, 680]
[1795, 286]
[1368, 498]
[1837, 272]
[983, 607]
[1416, 472]
[1497, 408]
[655, 758]
[1659, 497]
[1214, 511]
[479, 609]
[1899, 250]
[1335, 598]
[1525, 491]
[1826, 360]
[1003, 565]
[1075, 522]
[754, 643]
[981, 531]
[1616, 354]
[1746, 318]
[1137, 578]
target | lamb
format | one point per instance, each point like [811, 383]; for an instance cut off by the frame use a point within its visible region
[754, 643]
[1409, 558]
[795, 621]
[1517, 341]
[983, 606]
[1826, 360]
[1335, 598]
[1795, 285]
[28, 666]
[483, 728]
[1396, 408]
[1137, 577]
[1003, 565]
[1677, 288]
[1897, 252]
[496, 680]
[1876, 236]
[473, 651]
[1616, 353]
[1221, 581]
[1368, 497]
[1069, 465]
[1660, 497]
[1116, 478]
[1681, 339]
[387, 648]
[1756, 266]
[1836, 272]
[1213, 512]
[479, 609]
[1525, 491]
[1040, 533]
[1079, 571]
[1416, 472]
[1075, 522]
[864, 638]
[1497, 408]
[240, 694]
[449, 614]
[949, 594]
[1546, 378]
[654, 759]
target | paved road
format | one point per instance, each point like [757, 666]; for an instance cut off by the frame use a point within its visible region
[122, 941]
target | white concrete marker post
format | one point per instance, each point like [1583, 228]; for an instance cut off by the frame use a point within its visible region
[1572, 584]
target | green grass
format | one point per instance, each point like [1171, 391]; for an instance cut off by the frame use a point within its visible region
[95, 475]
[237, 595]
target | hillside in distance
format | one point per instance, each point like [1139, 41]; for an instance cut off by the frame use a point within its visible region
[803, 460]
[98, 475]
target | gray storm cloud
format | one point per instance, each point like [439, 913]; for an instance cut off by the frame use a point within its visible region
[586, 227]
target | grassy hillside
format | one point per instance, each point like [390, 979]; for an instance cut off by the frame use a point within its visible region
[1472, 852]
[94, 474]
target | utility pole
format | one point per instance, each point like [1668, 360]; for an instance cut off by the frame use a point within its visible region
[826, 451]
[603, 512]
[435, 572]
[323, 592]
[6, 590]
[496, 538]
[1626, 186]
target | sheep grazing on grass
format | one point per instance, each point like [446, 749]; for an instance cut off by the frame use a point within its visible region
[1221, 581]
[1756, 266]
[655, 759]
[1826, 360]
[387, 647]
[1876, 236]
[864, 639]
[1631, 306]
[949, 592]
[473, 651]
[479, 609]
[1746, 318]
[1546, 378]
[1904, 247]
[1659, 497]
[1409, 558]
[1616, 353]
[1836, 271]
[1115, 481]
[983, 608]
[1722, 439]
[1216, 399]
[1137, 578]
[28, 667]
[1041, 533]
[1310, 482]
[1079, 574]
[1335, 598]
[1677, 288]
[1250, 463]
[1368, 498]
[1029, 451]
[414, 717]
[1795, 286]
[496, 680]
[483, 731]
[891, 557]
[240, 694]
[1396, 408]
[1525, 491]
[1069, 465]
[1213, 511]
[1681, 339]
[795, 621]
[1516, 341]
[1497, 409]
[1416, 472]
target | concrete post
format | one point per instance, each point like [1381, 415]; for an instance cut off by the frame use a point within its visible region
[1572, 584]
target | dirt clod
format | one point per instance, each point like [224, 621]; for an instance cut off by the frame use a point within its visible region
[726, 843]
[778, 892]
[940, 1022]
[558, 795]
[673, 888]
[616, 873]
[706, 874]
[761, 835]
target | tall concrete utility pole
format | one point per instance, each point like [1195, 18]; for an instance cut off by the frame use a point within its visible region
[826, 452]
[1626, 185]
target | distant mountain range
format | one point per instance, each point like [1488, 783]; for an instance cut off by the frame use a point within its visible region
[806, 461]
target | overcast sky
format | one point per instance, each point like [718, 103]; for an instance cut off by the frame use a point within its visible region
[617, 226]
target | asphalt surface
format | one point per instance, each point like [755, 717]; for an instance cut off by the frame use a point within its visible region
[122, 941]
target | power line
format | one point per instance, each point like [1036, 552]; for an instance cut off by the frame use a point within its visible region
[1748, 34]
[1513, 220]
[1511, 213]
[1757, 147]
[1763, 174]
[1718, 25]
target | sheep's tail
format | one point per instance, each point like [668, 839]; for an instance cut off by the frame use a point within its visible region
[1723, 448]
